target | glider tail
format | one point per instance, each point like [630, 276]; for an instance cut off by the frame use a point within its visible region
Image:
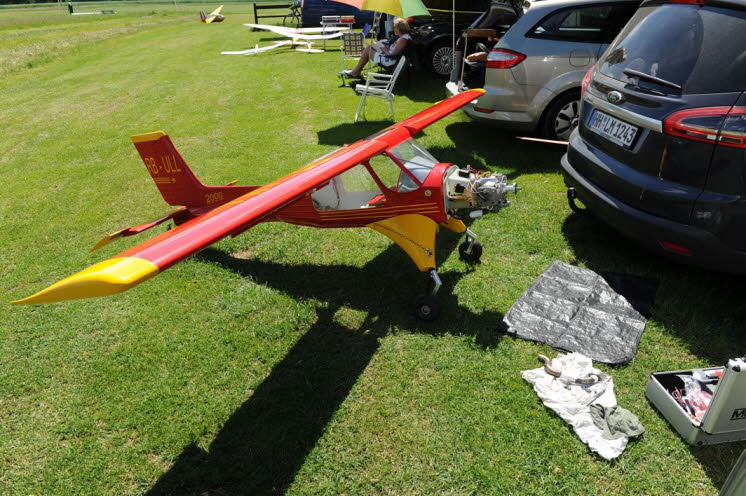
[202, 16]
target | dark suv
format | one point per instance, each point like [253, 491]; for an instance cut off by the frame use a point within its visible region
[432, 36]
[659, 151]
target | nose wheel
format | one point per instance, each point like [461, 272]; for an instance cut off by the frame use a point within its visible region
[470, 250]
[426, 307]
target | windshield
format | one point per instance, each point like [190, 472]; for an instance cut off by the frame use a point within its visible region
[417, 161]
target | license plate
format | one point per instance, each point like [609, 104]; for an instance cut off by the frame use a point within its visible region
[612, 128]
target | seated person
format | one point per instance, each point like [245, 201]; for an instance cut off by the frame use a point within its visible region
[382, 55]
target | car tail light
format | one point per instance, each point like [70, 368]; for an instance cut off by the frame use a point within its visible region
[460, 45]
[502, 58]
[483, 110]
[410, 20]
[674, 248]
[688, 2]
[586, 80]
[734, 129]
[718, 125]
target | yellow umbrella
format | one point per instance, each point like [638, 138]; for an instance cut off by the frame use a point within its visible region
[398, 8]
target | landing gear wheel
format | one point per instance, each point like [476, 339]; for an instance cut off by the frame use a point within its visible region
[472, 256]
[426, 308]
[561, 118]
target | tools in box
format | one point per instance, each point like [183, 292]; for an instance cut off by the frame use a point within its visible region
[705, 406]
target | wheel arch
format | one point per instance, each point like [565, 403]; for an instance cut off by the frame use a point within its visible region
[541, 121]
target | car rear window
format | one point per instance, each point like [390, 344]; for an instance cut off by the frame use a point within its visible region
[586, 23]
[701, 49]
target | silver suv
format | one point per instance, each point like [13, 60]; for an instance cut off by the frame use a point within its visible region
[532, 73]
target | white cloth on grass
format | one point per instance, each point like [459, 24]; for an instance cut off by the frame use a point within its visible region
[572, 402]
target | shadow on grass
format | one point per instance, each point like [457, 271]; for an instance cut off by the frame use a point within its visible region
[497, 148]
[417, 86]
[701, 308]
[350, 132]
[265, 442]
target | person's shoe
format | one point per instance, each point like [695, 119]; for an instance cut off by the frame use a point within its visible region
[348, 73]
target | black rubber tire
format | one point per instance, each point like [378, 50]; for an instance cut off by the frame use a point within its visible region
[435, 58]
[426, 308]
[567, 105]
[476, 251]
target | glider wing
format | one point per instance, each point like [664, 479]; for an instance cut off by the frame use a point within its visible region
[293, 31]
[302, 33]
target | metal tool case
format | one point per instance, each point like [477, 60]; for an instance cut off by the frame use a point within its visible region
[725, 418]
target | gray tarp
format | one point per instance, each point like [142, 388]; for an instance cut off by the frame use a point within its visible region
[575, 309]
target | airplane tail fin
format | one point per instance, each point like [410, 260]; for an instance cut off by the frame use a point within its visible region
[202, 16]
[173, 177]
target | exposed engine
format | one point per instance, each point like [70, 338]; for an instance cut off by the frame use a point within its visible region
[477, 191]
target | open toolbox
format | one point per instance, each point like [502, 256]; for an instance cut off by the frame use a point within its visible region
[705, 406]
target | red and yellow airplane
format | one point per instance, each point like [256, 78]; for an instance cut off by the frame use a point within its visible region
[387, 182]
[213, 16]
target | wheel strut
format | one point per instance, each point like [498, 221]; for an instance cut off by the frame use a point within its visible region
[436, 282]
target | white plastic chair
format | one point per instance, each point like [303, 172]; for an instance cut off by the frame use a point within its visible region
[379, 85]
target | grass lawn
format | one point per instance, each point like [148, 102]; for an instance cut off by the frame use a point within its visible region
[286, 360]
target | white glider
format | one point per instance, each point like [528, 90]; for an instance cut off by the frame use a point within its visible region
[291, 43]
[303, 33]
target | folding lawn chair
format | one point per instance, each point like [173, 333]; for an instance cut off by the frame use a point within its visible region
[379, 85]
[352, 48]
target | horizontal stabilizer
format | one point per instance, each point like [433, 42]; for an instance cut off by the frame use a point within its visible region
[131, 231]
[105, 278]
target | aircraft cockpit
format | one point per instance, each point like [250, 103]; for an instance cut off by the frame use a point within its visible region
[400, 169]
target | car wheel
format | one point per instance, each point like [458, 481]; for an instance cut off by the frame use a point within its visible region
[561, 118]
[441, 58]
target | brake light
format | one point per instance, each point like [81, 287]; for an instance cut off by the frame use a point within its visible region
[734, 129]
[483, 110]
[674, 248]
[502, 58]
[586, 80]
[717, 125]
[688, 2]
[410, 20]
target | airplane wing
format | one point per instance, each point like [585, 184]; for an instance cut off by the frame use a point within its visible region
[131, 267]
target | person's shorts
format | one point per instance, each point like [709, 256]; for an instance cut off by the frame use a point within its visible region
[383, 60]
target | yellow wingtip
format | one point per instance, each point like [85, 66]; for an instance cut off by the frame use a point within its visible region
[140, 138]
[105, 278]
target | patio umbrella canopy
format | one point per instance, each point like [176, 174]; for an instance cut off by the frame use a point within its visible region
[398, 8]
